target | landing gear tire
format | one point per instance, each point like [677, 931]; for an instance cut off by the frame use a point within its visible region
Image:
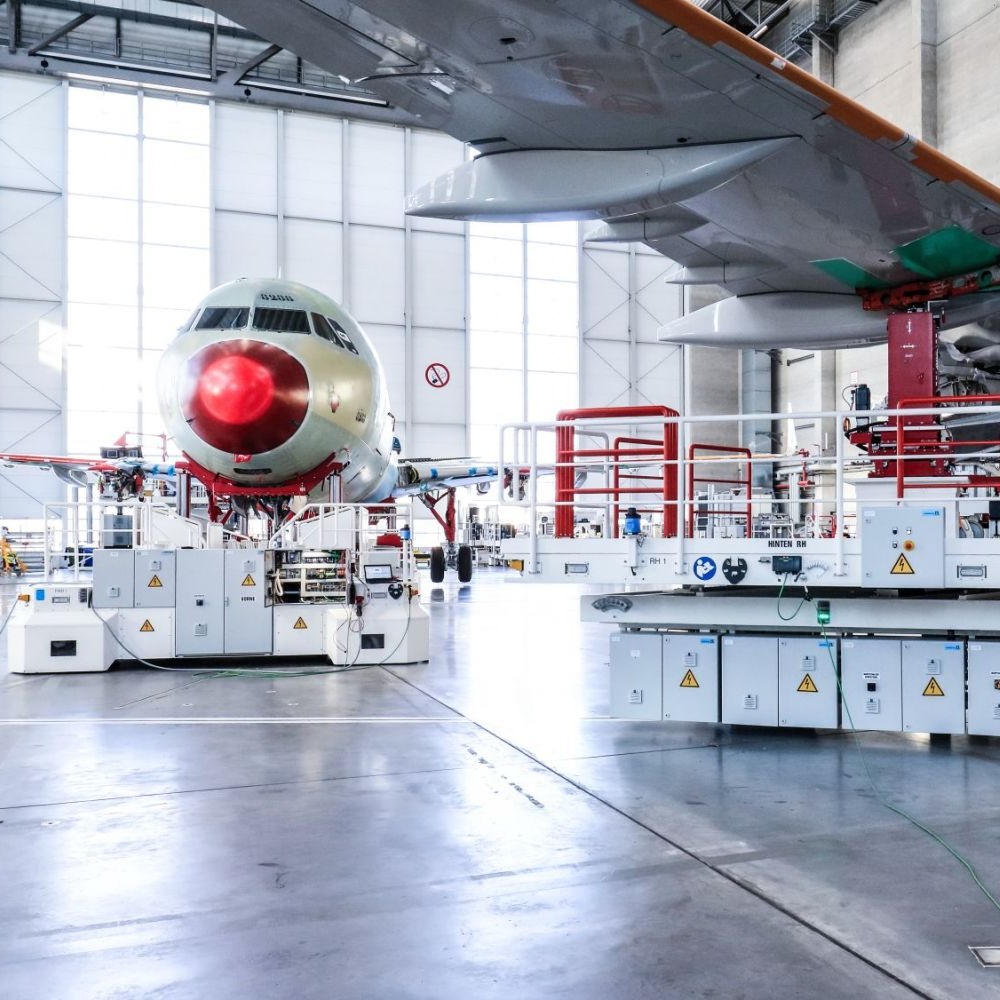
[437, 565]
[464, 563]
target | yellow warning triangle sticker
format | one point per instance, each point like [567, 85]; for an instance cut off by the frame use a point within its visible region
[690, 681]
[147, 626]
[808, 685]
[300, 623]
[902, 567]
[933, 689]
[248, 581]
[155, 582]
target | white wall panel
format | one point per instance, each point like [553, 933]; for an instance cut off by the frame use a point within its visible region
[245, 153]
[430, 440]
[656, 301]
[388, 344]
[246, 246]
[32, 285]
[437, 261]
[313, 174]
[433, 404]
[375, 181]
[377, 274]
[604, 373]
[314, 253]
[604, 293]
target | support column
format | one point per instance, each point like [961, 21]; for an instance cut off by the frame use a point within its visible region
[924, 32]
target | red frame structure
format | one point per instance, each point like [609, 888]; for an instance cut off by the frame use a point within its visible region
[624, 449]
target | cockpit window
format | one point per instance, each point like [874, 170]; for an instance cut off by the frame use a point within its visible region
[331, 330]
[281, 320]
[223, 318]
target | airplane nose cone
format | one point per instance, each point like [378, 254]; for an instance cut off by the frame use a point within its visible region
[244, 397]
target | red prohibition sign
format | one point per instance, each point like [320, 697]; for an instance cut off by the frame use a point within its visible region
[437, 375]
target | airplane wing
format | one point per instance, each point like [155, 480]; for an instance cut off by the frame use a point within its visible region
[121, 474]
[669, 127]
[421, 475]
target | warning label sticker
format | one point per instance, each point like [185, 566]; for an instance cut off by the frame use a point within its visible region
[300, 623]
[933, 689]
[902, 567]
[689, 681]
[808, 685]
[248, 581]
[155, 582]
[147, 626]
[996, 683]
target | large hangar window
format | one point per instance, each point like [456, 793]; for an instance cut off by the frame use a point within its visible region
[137, 253]
[524, 352]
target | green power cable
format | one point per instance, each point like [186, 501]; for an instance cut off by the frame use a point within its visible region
[898, 810]
[781, 590]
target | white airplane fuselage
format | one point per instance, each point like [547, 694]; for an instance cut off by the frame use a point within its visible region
[268, 381]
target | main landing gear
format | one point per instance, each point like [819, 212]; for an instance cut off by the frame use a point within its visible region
[450, 555]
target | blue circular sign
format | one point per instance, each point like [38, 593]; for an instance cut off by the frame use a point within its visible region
[704, 568]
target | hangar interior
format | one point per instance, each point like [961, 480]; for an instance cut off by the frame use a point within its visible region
[490, 818]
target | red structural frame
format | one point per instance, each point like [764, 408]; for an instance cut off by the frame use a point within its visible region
[624, 449]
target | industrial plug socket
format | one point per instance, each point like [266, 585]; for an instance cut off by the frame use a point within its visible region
[786, 564]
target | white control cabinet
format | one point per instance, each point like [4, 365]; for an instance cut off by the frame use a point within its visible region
[691, 678]
[933, 686]
[636, 675]
[872, 683]
[750, 680]
[807, 682]
[984, 688]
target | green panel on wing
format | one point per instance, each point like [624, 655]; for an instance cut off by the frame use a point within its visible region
[947, 253]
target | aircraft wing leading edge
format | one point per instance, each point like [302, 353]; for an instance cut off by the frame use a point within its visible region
[664, 125]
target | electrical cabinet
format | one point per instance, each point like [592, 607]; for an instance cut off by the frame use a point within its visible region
[750, 680]
[636, 675]
[984, 688]
[154, 578]
[871, 678]
[933, 686]
[114, 578]
[691, 678]
[902, 547]
[222, 604]
[312, 575]
[300, 629]
[200, 602]
[807, 682]
[144, 632]
[248, 626]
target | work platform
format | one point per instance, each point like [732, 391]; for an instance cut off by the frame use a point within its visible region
[805, 566]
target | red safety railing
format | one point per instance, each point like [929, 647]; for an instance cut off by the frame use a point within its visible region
[662, 451]
[745, 481]
[912, 439]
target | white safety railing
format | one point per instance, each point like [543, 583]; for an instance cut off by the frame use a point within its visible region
[961, 482]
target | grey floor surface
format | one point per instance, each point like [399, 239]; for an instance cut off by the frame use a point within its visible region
[473, 827]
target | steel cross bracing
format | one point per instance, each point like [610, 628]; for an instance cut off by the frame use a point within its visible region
[194, 50]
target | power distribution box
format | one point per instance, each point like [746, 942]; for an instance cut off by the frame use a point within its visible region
[984, 688]
[200, 602]
[902, 547]
[871, 678]
[750, 680]
[807, 682]
[114, 578]
[154, 578]
[691, 678]
[933, 686]
[146, 633]
[636, 663]
[300, 629]
[248, 607]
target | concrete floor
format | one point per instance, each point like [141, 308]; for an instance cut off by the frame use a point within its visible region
[472, 827]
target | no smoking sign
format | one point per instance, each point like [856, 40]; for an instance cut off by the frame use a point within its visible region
[437, 375]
